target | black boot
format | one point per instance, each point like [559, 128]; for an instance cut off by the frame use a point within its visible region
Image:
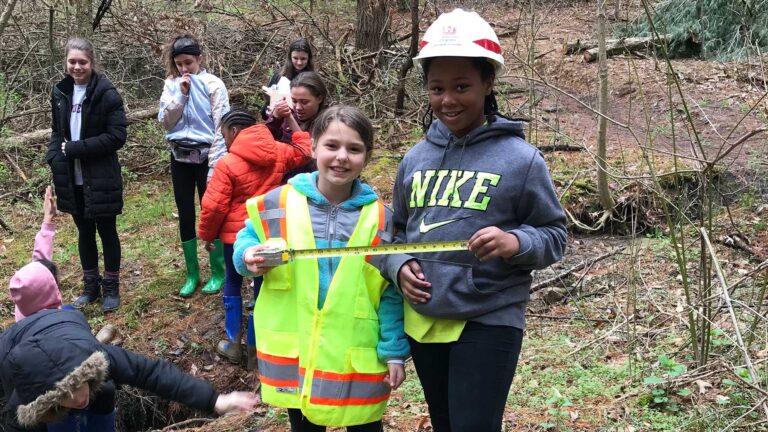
[91, 291]
[111, 288]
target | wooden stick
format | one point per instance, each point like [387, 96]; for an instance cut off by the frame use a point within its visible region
[754, 407]
[43, 135]
[559, 277]
[567, 318]
[5, 226]
[596, 340]
[16, 167]
[727, 298]
[185, 423]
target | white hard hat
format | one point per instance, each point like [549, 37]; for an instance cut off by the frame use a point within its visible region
[460, 34]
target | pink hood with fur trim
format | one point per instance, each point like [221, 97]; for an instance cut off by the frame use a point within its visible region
[33, 287]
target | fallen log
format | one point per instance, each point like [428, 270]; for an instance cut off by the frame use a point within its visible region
[570, 48]
[621, 46]
[43, 135]
[630, 44]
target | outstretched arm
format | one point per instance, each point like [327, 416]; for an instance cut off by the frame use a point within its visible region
[43, 248]
[169, 382]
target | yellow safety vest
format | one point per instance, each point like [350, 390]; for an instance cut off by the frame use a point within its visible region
[428, 329]
[323, 361]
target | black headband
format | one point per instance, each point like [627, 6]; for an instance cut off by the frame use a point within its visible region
[186, 46]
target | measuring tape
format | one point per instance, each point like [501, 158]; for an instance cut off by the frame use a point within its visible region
[276, 252]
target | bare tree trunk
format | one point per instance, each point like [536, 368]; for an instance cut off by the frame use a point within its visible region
[616, 9]
[372, 24]
[408, 63]
[51, 47]
[7, 12]
[101, 11]
[83, 18]
[606, 200]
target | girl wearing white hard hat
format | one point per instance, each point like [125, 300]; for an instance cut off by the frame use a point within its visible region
[474, 177]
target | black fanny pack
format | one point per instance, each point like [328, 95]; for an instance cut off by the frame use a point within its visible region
[191, 152]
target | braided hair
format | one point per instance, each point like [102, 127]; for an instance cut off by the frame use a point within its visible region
[238, 117]
[490, 106]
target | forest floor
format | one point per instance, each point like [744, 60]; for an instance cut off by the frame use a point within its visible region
[595, 335]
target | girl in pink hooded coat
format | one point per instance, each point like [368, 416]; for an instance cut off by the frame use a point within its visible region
[35, 286]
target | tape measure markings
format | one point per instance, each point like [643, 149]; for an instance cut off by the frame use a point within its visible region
[387, 249]
[278, 255]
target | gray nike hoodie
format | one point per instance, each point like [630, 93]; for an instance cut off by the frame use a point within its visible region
[448, 188]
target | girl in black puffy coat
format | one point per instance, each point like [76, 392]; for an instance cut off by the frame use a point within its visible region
[56, 376]
[88, 127]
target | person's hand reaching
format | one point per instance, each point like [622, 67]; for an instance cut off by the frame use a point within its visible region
[49, 205]
[238, 401]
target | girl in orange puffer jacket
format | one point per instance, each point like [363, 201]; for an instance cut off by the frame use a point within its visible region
[255, 164]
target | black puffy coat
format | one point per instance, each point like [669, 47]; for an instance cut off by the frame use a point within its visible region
[102, 133]
[43, 348]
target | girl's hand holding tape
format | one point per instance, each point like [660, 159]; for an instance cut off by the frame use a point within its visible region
[253, 260]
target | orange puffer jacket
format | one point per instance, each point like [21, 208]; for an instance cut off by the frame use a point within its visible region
[255, 164]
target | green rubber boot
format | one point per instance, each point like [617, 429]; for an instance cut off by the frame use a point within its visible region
[193, 268]
[216, 259]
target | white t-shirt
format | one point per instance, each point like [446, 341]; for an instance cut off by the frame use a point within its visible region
[75, 121]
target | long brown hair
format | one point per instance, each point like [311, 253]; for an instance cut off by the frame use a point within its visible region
[314, 83]
[288, 70]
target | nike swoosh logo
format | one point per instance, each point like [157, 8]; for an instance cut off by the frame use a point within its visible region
[425, 227]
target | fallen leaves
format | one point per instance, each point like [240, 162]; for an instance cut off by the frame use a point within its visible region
[703, 386]
[424, 423]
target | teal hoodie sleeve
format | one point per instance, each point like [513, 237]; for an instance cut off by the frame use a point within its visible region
[392, 342]
[246, 238]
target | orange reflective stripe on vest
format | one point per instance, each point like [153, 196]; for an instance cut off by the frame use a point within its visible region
[277, 371]
[382, 221]
[273, 219]
[330, 388]
[323, 361]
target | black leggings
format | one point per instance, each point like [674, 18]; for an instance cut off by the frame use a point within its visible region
[185, 177]
[86, 238]
[299, 423]
[466, 382]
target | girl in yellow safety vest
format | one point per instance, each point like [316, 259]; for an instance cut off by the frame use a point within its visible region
[329, 331]
[473, 177]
